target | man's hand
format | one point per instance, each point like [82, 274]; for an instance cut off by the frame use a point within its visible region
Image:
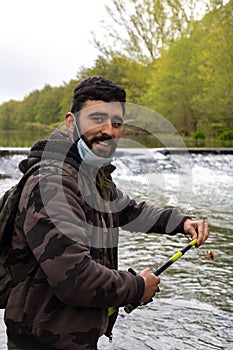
[151, 284]
[197, 229]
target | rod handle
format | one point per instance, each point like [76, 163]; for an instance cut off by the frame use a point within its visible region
[130, 307]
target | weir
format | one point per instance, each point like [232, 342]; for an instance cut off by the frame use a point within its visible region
[9, 151]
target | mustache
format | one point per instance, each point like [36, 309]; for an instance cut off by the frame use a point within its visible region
[98, 139]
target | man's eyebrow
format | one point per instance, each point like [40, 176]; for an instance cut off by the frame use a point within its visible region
[96, 114]
[118, 118]
[106, 115]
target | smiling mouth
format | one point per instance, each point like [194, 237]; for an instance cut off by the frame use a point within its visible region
[104, 143]
[103, 148]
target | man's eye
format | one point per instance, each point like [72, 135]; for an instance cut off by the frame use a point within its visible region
[98, 120]
[116, 124]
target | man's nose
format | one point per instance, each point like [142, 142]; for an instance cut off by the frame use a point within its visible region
[107, 128]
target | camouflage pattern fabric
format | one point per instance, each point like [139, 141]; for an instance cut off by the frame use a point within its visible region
[63, 223]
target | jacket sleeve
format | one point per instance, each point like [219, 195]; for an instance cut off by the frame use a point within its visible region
[148, 217]
[57, 231]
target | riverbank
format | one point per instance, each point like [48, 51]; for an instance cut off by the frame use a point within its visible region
[212, 150]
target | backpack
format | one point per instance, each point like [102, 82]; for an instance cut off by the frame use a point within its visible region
[8, 209]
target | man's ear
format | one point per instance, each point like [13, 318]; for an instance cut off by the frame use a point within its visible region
[70, 122]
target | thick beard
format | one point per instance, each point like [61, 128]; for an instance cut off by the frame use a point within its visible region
[103, 154]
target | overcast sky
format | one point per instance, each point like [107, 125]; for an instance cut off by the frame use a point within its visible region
[45, 42]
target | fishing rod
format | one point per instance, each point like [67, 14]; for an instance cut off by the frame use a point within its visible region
[130, 307]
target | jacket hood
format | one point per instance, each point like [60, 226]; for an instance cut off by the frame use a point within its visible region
[58, 147]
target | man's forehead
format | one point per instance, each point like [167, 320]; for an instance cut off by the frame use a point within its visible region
[98, 106]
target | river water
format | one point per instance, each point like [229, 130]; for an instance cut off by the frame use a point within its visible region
[194, 309]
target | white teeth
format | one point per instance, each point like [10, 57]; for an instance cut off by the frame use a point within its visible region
[103, 143]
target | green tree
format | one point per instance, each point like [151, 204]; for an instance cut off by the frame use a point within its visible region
[214, 62]
[173, 86]
[182, 70]
[66, 98]
[198, 136]
[8, 115]
[227, 138]
[141, 28]
[27, 109]
[191, 84]
[48, 108]
[132, 75]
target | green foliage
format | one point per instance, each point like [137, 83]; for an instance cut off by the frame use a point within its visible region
[141, 28]
[133, 76]
[226, 135]
[27, 109]
[214, 64]
[38, 109]
[192, 84]
[187, 77]
[227, 138]
[173, 87]
[33, 126]
[48, 106]
[8, 115]
[199, 134]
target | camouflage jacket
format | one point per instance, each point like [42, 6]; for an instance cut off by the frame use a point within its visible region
[68, 223]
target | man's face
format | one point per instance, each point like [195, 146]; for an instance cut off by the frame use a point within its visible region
[100, 125]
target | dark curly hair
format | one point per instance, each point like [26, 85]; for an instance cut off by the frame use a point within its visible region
[97, 88]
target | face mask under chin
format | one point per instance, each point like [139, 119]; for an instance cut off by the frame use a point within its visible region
[90, 157]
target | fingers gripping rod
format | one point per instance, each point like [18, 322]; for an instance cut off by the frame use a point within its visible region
[130, 307]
